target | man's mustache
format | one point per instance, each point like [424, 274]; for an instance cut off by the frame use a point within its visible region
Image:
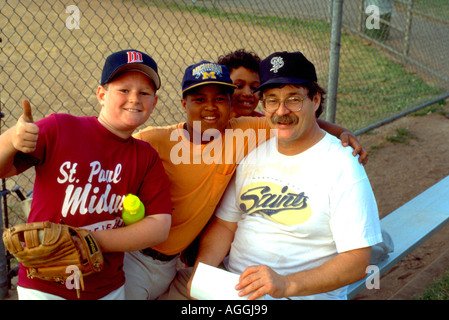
[285, 119]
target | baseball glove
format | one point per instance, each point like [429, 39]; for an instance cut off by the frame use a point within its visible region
[47, 249]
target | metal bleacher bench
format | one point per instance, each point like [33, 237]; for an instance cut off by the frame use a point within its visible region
[410, 225]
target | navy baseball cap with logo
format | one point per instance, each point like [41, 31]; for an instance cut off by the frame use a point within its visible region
[130, 60]
[282, 68]
[204, 73]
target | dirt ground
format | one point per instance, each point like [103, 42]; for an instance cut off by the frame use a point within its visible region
[399, 171]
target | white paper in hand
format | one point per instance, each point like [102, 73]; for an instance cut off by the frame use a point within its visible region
[210, 283]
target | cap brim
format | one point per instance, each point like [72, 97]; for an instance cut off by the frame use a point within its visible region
[146, 70]
[209, 82]
[280, 81]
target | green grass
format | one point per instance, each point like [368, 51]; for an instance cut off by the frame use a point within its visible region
[382, 88]
[435, 108]
[279, 23]
[402, 136]
[438, 8]
[436, 290]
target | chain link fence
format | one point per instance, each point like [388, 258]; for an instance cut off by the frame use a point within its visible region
[392, 55]
[414, 40]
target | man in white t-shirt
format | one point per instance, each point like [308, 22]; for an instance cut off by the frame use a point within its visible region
[299, 217]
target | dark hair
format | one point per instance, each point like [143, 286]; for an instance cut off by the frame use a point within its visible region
[314, 88]
[240, 58]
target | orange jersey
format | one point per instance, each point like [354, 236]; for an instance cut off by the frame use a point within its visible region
[200, 173]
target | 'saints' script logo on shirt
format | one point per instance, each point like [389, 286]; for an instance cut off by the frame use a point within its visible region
[276, 202]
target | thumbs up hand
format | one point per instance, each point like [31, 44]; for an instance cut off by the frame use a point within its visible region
[26, 132]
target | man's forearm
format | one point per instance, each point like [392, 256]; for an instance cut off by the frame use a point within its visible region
[216, 242]
[342, 270]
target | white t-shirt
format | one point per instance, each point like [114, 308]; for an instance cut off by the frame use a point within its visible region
[296, 212]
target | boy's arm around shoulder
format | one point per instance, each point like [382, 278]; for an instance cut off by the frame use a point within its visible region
[347, 139]
[153, 134]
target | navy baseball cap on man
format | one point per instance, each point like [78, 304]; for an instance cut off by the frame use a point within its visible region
[281, 68]
[206, 72]
[130, 60]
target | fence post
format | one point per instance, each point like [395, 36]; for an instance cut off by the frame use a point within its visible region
[329, 11]
[407, 31]
[362, 17]
[337, 13]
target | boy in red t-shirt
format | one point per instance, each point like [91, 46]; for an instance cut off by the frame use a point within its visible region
[85, 166]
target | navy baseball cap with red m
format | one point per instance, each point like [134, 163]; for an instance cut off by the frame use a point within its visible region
[281, 68]
[130, 60]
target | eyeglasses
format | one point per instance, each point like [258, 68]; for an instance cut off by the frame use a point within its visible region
[294, 104]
